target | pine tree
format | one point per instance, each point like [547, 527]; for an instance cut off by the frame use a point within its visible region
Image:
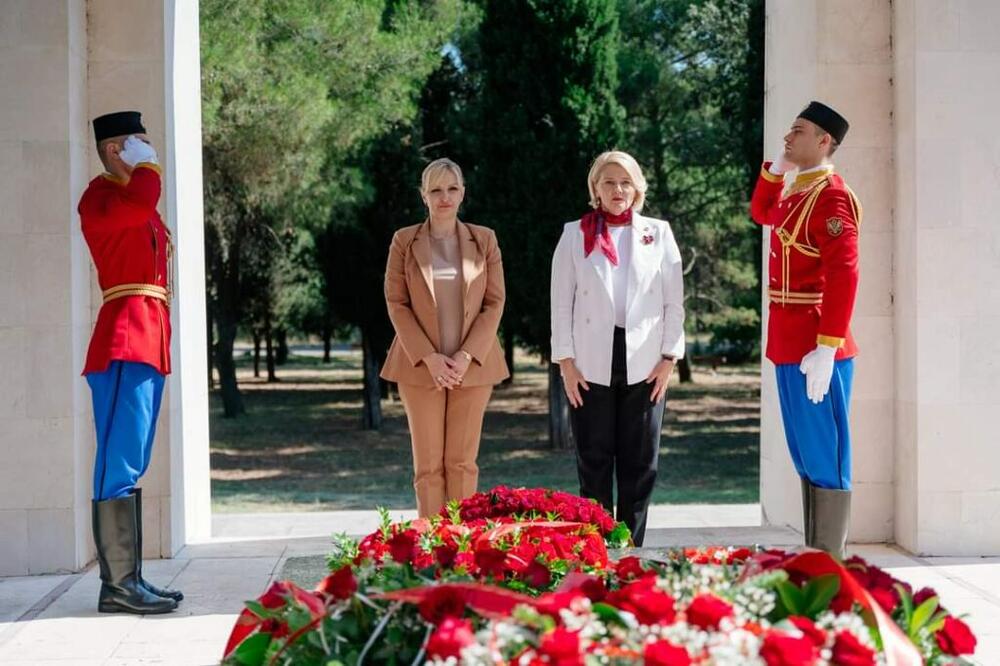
[548, 108]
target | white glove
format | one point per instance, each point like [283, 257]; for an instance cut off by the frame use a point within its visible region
[136, 151]
[817, 366]
[780, 164]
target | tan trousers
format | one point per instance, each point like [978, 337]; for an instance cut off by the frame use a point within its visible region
[445, 427]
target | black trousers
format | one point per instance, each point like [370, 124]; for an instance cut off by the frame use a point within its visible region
[617, 433]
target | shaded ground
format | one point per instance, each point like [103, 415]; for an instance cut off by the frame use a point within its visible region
[300, 446]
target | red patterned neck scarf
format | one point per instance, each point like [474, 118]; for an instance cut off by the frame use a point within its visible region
[595, 226]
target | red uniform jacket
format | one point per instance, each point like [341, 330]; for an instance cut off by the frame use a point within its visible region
[813, 264]
[130, 245]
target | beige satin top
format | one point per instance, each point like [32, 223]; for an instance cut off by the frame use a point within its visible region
[446, 263]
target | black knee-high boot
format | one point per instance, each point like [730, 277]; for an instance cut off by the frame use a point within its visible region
[807, 517]
[176, 595]
[117, 540]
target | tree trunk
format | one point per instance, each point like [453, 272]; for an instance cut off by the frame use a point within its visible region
[372, 409]
[232, 401]
[256, 353]
[227, 322]
[269, 342]
[282, 336]
[684, 369]
[560, 432]
[209, 328]
[508, 354]
[327, 343]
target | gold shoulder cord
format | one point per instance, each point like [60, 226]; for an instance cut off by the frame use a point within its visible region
[855, 206]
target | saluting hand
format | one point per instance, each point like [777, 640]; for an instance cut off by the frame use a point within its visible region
[135, 150]
[573, 381]
[660, 378]
[780, 163]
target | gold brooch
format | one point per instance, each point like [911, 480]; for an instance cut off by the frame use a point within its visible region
[834, 226]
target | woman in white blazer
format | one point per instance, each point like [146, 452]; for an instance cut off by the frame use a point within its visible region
[617, 331]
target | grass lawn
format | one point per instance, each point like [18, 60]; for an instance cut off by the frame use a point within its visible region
[300, 446]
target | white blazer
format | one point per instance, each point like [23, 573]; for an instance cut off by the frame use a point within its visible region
[583, 312]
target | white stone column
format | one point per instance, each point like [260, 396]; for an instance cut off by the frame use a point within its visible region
[947, 276]
[43, 313]
[191, 507]
[840, 53]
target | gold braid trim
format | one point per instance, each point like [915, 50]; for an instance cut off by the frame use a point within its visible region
[136, 289]
[790, 240]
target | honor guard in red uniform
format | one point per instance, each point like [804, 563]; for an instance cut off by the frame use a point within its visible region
[129, 354]
[813, 281]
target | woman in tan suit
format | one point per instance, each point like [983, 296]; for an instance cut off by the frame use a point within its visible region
[444, 290]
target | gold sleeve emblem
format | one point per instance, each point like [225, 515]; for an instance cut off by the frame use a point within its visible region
[835, 226]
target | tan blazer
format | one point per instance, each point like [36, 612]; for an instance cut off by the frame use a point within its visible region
[409, 296]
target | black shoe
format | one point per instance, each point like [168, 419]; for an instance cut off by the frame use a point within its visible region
[116, 537]
[176, 595]
[831, 515]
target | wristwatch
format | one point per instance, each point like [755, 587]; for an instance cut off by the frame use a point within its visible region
[468, 356]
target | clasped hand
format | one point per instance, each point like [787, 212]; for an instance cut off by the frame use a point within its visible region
[447, 372]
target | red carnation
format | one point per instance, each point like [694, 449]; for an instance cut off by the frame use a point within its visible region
[707, 610]
[445, 555]
[465, 560]
[490, 561]
[520, 557]
[781, 649]
[552, 603]
[630, 567]
[955, 637]
[649, 604]
[809, 629]
[341, 584]
[665, 653]
[923, 594]
[594, 588]
[739, 555]
[887, 599]
[449, 638]
[402, 545]
[843, 602]
[849, 651]
[562, 647]
[441, 603]
[537, 575]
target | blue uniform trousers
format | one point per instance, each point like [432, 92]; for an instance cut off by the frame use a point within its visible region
[126, 400]
[819, 437]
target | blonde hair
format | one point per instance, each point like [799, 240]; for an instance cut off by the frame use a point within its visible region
[625, 161]
[433, 172]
